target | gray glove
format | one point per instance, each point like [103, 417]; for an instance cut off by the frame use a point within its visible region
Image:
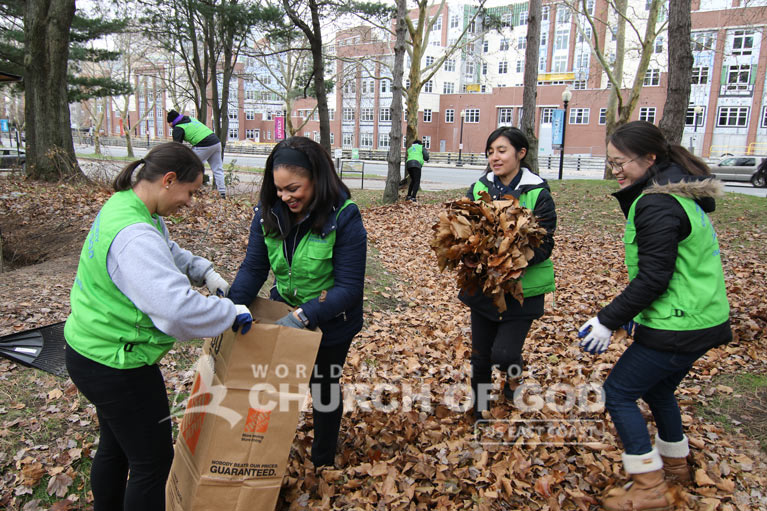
[291, 321]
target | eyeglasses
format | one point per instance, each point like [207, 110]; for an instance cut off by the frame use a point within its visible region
[619, 166]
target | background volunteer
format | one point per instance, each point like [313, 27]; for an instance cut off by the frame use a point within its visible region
[205, 144]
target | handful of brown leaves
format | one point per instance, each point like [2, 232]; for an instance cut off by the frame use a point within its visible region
[490, 242]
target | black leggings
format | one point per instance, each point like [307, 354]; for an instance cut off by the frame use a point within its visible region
[327, 402]
[135, 433]
[415, 181]
[495, 344]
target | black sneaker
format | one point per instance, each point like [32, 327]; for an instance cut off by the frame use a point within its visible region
[222, 194]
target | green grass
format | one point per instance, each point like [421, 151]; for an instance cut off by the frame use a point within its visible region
[744, 409]
[379, 283]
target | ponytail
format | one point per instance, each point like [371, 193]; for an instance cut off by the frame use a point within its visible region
[123, 180]
[688, 161]
[164, 158]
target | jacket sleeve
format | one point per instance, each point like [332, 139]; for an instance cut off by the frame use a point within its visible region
[661, 224]
[254, 268]
[470, 191]
[546, 214]
[178, 134]
[349, 259]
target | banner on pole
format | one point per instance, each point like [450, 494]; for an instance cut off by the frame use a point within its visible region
[557, 126]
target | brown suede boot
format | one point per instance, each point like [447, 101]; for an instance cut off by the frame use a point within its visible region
[648, 490]
[674, 455]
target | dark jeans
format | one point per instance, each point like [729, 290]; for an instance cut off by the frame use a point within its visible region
[415, 181]
[135, 434]
[495, 344]
[327, 402]
[652, 375]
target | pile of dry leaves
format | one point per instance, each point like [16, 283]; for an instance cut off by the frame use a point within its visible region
[490, 242]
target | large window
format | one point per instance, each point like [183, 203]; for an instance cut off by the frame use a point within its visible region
[647, 113]
[428, 86]
[579, 116]
[450, 115]
[385, 86]
[450, 65]
[504, 44]
[690, 117]
[454, 21]
[427, 115]
[743, 42]
[739, 77]
[505, 116]
[563, 13]
[234, 133]
[366, 115]
[426, 142]
[522, 42]
[348, 139]
[348, 113]
[429, 60]
[602, 116]
[699, 75]
[562, 38]
[448, 88]
[546, 115]
[503, 67]
[523, 18]
[383, 140]
[366, 140]
[732, 117]
[703, 41]
[471, 115]
[250, 115]
[652, 77]
[384, 114]
[559, 63]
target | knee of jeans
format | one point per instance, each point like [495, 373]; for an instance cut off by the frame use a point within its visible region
[614, 397]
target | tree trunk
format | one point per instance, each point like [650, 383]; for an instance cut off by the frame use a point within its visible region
[394, 155]
[129, 143]
[530, 91]
[50, 148]
[318, 66]
[679, 71]
[614, 101]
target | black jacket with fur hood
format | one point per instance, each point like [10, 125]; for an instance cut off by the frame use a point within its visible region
[661, 224]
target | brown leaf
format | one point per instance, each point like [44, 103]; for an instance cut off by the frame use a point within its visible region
[59, 485]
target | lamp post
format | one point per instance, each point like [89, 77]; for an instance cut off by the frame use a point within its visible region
[459, 163]
[697, 110]
[566, 97]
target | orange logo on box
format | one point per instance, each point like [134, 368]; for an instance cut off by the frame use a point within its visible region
[257, 421]
[191, 426]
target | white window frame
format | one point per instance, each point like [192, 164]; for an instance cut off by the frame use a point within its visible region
[579, 116]
[647, 113]
[449, 115]
[427, 115]
[737, 113]
[471, 115]
[505, 116]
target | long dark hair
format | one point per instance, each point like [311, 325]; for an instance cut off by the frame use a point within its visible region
[164, 158]
[328, 187]
[515, 137]
[642, 138]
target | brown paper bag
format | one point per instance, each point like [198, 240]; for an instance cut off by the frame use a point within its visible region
[241, 418]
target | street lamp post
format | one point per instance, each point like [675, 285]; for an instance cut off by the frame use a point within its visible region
[697, 111]
[459, 163]
[566, 97]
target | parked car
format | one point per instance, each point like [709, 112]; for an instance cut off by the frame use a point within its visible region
[740, 168]
[11, 158]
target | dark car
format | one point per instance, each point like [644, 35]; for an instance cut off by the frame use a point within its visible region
[740, 168]
[12, 158]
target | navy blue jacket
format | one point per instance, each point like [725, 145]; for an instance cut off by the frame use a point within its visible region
[339, 316]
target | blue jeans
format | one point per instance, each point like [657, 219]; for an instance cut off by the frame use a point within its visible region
[652, 375]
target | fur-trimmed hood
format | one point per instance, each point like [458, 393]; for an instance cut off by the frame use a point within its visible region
[670, 178]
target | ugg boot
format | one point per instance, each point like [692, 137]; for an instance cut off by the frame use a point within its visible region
[647, 491]
[674, 456]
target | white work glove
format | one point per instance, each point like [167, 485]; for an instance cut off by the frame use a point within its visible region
[596, 336]
[242, 319]
[216, 283]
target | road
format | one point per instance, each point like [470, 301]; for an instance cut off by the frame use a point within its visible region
[434, 177]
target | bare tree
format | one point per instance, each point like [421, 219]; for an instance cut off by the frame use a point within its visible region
[679, 71]
[530, 91]
[394, 155]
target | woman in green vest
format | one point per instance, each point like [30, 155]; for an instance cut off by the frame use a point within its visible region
[131, 300]
[675, 304]
[497, 338]
[309, 233]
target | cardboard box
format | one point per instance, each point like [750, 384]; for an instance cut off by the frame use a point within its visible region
[241, 418]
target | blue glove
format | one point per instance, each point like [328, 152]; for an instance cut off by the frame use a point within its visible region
[596, 336]
[630, 327]
[242, 319]
[291, 321]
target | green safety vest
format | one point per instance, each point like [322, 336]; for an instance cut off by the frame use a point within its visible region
[194, 131]
[415, 152]
[538, 278]
[104, 324]
[312, 268]
[696, 297]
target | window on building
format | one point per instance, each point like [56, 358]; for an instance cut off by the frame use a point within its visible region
[559, 63]
[268, 134]
[366, 115]
[659, 44]
[471, 115]
[562, 38]
[546, 115]
[542, 63]
[519, 66]
[348, 113]
[426, 141]
[473, 26]
[602, 116]
[484, 68]
[503, 67]
[332, 138]
[234, 133]
[689, 119]
[582, 61]
[429, 60]
[331, 114]
[250, 134]
[506, 19]
[383, 140]
[579, 116]
[384, 114]
[505, 116]
[763, 124]
[699, 75]
[523, 18]
[455, 19]
[428, 86]
[504, 45]
[742, 42]
[545, 10]
[348, 139]
[732, 116]
[590, 6]
[470, 68]
[739, 77]
[647, 113]
[437, 23]
[366, 140]
[233, 115]
[702, 41]
[652, 77]
[450, 115]
[485, 46]
[448, 88]
[385, 86]
[250, 115]
[544, 38]
[579, 85]
[563, 13]
[584, 35]
[450, 65]
[522, 42]
[427, 115]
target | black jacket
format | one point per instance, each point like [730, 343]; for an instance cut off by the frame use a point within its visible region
[661, 223]
[545, 212]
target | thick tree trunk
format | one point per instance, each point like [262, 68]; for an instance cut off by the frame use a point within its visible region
[50, 148]
[679, 71]
[394, 156]
[530, 91]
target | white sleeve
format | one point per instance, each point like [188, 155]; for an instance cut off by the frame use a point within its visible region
[143, 268]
